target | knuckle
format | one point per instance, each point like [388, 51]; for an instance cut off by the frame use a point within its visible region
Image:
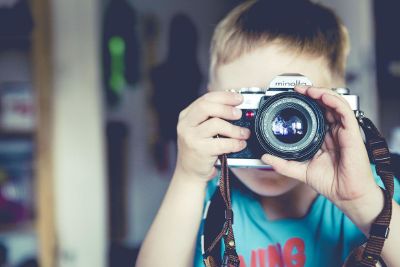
[215, 123]
[208, 96]
[180, 129]
[229, 111]
[179, 132]
[229, 129]
[202, 105]
[189, 142]
[182, 114]
[186, 138]
[224, 111]
[235, 130]
[221, 146]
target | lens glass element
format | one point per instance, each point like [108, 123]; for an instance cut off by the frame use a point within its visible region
[289, 126]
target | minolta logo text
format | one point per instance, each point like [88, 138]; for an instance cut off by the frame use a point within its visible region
[290, 84]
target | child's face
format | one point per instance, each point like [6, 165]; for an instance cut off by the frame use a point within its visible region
[257, 69]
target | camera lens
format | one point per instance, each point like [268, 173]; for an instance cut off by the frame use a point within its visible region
[290, 125]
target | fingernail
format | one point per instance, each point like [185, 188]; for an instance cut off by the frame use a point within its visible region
[244, 132]
[265, 157]
[243, 143]
[237, 112]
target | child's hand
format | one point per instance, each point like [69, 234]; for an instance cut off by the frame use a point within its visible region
[340, 170]
[198, 125]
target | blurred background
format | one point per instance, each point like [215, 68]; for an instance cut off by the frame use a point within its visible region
[89, 96]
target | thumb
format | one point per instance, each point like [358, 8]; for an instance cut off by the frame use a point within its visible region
[290, 168]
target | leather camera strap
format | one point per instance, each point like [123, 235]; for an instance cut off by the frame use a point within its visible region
[366, 255]
[230, 258]
[369, 254]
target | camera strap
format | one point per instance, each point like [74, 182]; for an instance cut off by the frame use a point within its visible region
[369, 254]
[212, 256]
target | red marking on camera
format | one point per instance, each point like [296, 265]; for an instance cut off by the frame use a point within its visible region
[249, 114]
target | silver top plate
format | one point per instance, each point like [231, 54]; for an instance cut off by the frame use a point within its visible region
[246, 163]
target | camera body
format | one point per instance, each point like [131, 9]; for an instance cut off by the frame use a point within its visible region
[282, 122]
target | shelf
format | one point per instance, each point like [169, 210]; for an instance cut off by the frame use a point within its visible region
[16, 135]
[24, 227]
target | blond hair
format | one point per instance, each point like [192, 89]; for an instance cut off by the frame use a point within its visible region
[303, 26]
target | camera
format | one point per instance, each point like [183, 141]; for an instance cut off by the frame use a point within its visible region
[282, 122]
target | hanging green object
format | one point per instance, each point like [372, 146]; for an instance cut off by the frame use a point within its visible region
[117, 81]
[120, 51]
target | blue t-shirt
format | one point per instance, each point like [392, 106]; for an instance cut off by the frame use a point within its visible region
[323, 237]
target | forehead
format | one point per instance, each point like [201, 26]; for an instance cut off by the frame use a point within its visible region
[259, 67]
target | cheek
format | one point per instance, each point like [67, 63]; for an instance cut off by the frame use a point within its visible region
[265, 183]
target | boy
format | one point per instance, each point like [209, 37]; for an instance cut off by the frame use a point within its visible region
[303, 213]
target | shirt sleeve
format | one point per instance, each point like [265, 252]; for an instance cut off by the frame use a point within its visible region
[198, 257]
[352, 236]
[396, 195]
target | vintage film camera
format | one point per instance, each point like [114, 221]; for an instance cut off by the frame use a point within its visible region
[282, 122]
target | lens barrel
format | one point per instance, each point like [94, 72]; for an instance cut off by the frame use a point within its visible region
[290, 125]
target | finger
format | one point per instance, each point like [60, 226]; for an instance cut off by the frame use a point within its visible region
[341, 109]
[292, 169]
[332, 100]
[317, 92]
[330, 117]
[223, 97]
[302, 89]
[217, 126]
[329, 143]
[202, 110]
[219, 146]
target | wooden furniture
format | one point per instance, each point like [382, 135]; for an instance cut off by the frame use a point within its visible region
[42, 73]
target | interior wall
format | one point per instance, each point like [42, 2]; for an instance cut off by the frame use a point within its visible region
[358, 17]
[146, 186]
[78, 144]
[387, 21]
